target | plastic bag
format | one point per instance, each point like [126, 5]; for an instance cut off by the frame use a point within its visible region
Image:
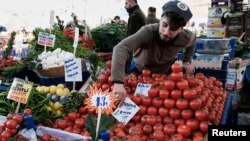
[59, 134]
[29, 134]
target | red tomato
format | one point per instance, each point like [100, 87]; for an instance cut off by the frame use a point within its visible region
[152, 110]
[11, 124]
[147, 129]
[142, 110]
[177, 137]
[46, 137]
[136, 118]
[82, 110]
[72, 116]
[106, 86]
[157, 102]
[146, 72]
[164, 94]
[163, 112]
[69, 129]
[179, 121]
[184, 130]
[169, 85]
[18, 118]
[10, 115]
[176, 94]
[134, 130]
[195, 104]
[153, 92]
[204, 126]
[193, 124]
[103, 78]
[176, 67]
[174, 113]
[151, 120]
[182, 104]
[6, 134]
[137, 99]
[144, 119]
[169, 103]
[146, 101]
[168, 120]
[158, 135]
[61, 124]
[158, 126]
[176, 76]
[192, 82]
[80, 123]
[182, 85]
[186, 114]
[76, 130]
[27, 111]
[169, 129]
[201, 115]
[189, 94]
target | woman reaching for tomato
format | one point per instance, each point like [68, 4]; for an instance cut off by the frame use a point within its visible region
[155, 46]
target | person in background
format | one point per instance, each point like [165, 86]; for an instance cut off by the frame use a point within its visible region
[117, 20]
[155, 46]
[136, 20]
[2, 29]
[151, 18]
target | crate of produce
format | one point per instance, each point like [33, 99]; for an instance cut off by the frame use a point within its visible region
[219, 74]
[216, 32]
[47, 81]
[56, 71]
[217, 11]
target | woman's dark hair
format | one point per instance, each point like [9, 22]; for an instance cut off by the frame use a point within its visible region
[175, 20]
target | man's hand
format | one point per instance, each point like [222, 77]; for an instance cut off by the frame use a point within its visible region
[120, 91]
[189, 69]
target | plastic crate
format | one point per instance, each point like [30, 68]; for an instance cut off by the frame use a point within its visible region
[47, 81]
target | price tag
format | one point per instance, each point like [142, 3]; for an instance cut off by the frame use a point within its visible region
[73, 70]
[142, 89]
[100, 100]
[52, 15]
[20, 90]
[0, 82]
[124, 113]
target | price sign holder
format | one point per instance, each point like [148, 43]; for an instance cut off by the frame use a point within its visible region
[101, 101]
[20, 91]
[124, 113]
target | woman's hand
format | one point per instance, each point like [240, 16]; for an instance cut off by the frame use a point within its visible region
[121, 93]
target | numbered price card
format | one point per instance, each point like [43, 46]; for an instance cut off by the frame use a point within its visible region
[142, 89]
[97, 99]
[20, 90]
[124, 113]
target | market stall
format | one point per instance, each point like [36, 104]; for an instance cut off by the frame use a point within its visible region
[56, 85]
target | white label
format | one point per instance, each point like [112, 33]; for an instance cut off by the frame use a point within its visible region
[142, 89]
[76, 37]
[0, 82]
[46, 38]
[124, 113]
[73, 70]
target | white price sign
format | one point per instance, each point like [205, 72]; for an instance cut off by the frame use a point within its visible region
[73, 70]
[124, 113]
[142, 89]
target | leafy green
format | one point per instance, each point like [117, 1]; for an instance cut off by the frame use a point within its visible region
[107, 36]
[105, 124]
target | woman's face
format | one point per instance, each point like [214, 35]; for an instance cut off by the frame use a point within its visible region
[166, 33]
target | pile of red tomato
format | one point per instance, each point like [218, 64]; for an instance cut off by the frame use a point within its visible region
[178, 106]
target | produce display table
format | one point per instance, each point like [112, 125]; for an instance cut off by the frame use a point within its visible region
[227, 116]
